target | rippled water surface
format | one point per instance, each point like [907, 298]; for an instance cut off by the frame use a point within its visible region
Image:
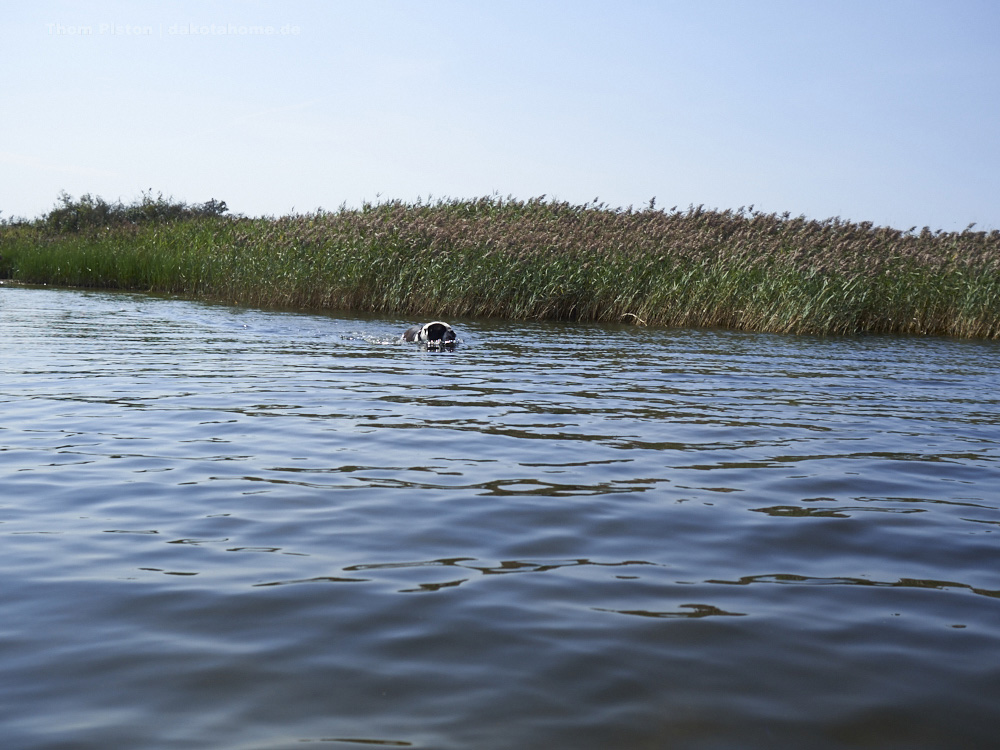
[227, 528]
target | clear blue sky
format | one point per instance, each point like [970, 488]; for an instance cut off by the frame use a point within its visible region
[879, 110]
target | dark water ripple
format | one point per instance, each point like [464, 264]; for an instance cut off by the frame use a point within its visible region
[234, 529]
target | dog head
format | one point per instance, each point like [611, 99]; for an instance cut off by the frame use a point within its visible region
[436, 335]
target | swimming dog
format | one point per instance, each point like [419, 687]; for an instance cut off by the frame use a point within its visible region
[436, 335]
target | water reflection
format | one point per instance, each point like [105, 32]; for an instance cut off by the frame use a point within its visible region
[359, 741]
[686, 610]
[788, 578]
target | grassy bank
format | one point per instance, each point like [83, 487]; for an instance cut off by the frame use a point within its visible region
[534, 259]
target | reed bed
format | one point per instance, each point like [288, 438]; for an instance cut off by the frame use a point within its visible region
[534, 259]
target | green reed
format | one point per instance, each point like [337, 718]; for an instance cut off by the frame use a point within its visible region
[536, 259]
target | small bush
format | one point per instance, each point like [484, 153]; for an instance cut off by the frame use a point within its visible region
[89, 213]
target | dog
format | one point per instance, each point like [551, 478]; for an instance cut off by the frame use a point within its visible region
[436, 335]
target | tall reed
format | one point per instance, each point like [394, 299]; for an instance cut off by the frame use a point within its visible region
[541, 259]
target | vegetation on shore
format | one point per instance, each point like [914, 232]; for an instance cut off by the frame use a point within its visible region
[534, 259]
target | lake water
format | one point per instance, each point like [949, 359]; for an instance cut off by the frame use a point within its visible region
[247, 530]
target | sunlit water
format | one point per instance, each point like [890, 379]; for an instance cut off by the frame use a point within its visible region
[227, 528]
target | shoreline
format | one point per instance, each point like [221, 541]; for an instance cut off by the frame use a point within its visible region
[532, 260]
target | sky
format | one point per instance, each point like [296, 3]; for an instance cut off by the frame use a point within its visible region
[871, 110]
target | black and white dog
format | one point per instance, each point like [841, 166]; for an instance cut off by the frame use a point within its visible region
[436, 335]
